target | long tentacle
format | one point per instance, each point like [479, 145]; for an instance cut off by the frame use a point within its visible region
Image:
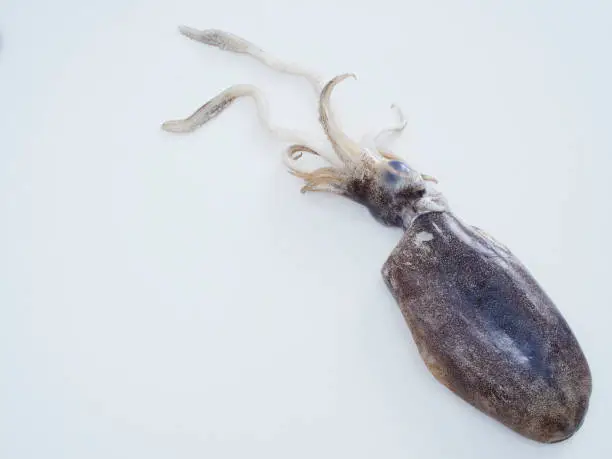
[233, 43]
[215, 106]
[222, 101]
[346, 150]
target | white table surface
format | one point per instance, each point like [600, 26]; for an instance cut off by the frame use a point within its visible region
[170, 296]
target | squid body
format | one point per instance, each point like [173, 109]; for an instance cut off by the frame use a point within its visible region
[482, 324]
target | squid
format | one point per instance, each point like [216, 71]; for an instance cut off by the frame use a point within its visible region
[482, 324]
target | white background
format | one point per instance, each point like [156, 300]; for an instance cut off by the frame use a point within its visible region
[170, 296]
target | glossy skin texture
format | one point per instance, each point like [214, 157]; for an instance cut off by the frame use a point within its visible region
[487, 330]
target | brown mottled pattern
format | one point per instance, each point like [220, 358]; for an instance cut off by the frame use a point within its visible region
[487, 330]
[482, 324]
[387, 206]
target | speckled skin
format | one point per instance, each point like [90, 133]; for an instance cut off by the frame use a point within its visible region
[482, 324]
[487, 330]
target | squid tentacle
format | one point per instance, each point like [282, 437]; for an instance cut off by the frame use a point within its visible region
[385, 137]
[329, 179]
[230, 42]
[349, 152]
[215, 106]
[351, 159]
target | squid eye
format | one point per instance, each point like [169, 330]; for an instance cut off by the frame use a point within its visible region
[399, 166]
[393, 176]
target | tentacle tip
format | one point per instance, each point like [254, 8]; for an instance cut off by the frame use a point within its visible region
[174, 126]
[166, 126]
[344, 76]
[192, 33]
[186, 30]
